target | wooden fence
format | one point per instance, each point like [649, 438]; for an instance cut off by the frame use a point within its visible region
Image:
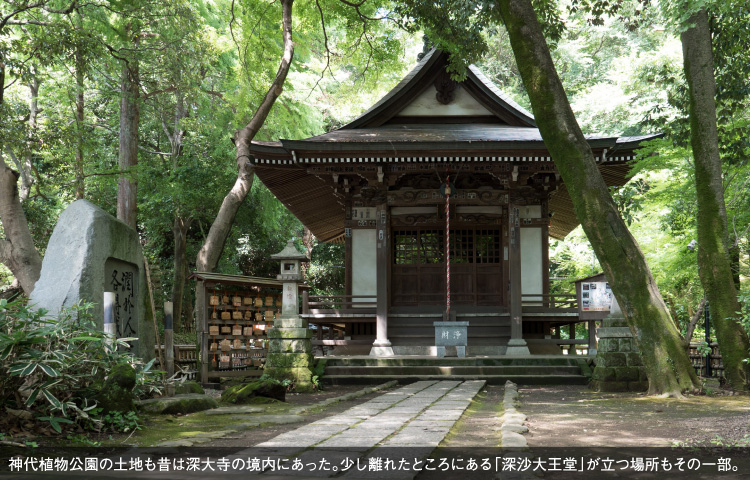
[699, 361]
[185, 360]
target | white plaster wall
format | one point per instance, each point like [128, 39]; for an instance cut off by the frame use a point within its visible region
[530, 211]
[531, 263]
[364, 262]
[426, 105]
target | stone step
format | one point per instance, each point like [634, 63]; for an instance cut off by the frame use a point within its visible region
[477, 371]
[535, 360]
[490, 379]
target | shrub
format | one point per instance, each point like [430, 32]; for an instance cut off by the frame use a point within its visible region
[55, 366]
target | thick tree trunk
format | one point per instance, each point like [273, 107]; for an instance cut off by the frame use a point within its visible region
[667, 364]
[128, 154]
[179, 229]
[17, 250]
[714, 264]
[210, 252]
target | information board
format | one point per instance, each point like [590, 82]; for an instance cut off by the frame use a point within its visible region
[596, 297]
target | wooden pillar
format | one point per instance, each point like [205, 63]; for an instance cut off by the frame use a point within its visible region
[572, 336]
[202, 318]
[545, 255]
[592, 337]
[516, 344]
[169, 337]
[348, 261]
[382, 346]
[348, 246]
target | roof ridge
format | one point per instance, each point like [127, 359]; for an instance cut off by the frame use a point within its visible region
[504, 97]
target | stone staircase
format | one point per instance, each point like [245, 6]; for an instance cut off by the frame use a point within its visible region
[414, 333]
[529, 370]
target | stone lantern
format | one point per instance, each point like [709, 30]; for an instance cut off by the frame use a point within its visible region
[290, 276]
[290, 346]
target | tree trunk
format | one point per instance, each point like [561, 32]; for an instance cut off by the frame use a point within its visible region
[2, 78]
[128, 154]
[714, 264]
[80, 65]
[189, 325]
[308, 240]
[17, 250]
[694, 321]
[210, 252]
[24, 167]
[179, 229]
[668, 366]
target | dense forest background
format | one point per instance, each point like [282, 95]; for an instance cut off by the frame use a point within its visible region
[194, 72]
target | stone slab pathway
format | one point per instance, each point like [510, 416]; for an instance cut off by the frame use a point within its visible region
[412, 420]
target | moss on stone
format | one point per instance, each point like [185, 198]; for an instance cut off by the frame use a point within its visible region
[116, 394]
[289, 346]
[289, 360]
[189, 387]
[241, 394]
[627, 374]
[183, 404]
[301, 377]
[290, 333]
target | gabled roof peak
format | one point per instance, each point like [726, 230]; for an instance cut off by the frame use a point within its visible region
[428, 81]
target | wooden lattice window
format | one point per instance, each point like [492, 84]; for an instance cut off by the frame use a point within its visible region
[462, 246]
[431, 245]
[406, 247]
[488, 246]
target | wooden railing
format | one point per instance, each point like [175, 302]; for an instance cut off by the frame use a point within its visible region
[338, 303]
[551, 300]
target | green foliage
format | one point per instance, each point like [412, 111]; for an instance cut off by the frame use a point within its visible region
[703, 348]
[325, 273]
[722, 442]
[743, 316]
[629, 199]
[54, 366]
[121, 422]
[79, 439]
[318, 372]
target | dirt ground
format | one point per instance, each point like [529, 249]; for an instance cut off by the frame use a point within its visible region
[574, 416]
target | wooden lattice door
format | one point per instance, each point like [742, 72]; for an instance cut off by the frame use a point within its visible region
[418, 269]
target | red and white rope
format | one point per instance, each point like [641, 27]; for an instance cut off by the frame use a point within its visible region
[447, 248]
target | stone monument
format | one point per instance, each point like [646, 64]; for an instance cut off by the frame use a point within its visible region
[289, 341]
[619, 367]
[91, 252]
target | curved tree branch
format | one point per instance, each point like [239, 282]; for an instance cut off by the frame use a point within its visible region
[210, 252]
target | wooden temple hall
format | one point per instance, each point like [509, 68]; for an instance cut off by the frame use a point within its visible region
[378, 184]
